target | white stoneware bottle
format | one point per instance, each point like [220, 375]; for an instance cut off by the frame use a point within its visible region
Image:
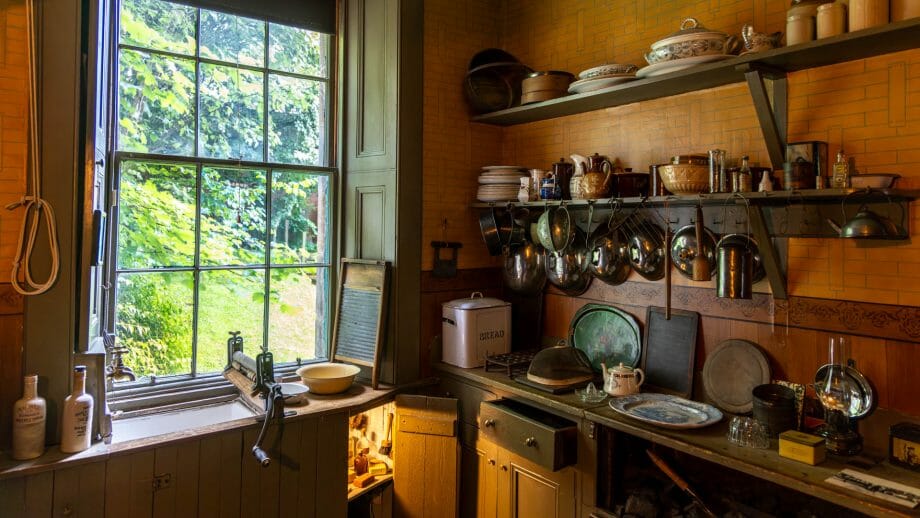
[29, 415]
[76, 430]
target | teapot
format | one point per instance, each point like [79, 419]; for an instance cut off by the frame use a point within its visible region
[581, 167]
[596, 182]
[622, 380]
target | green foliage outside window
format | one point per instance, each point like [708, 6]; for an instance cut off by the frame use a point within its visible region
[178, 216]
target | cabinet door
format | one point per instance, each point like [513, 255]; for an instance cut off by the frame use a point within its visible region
[487, 481]
[534, 491]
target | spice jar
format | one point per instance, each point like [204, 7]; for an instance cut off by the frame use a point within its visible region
[867, 13]
[800, 28]
[831, 19]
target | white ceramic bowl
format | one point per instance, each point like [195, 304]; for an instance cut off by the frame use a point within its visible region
[328, 378]
[875, 181]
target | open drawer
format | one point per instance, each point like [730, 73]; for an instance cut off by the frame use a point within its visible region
[544, 438]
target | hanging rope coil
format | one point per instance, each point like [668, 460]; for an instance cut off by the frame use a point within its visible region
[35, 206]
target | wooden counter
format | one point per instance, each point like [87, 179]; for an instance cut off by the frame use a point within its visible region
[710, 444]
[359, 397]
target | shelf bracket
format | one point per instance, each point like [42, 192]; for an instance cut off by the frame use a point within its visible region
[768, 253]
[772, 116]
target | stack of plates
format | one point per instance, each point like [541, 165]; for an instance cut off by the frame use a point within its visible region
[499, 182]
[673, 65]
[603, 76]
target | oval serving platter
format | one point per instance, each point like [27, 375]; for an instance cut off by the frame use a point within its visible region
[606, 335]
[666, 411]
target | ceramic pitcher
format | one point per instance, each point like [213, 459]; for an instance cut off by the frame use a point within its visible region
[596, 182]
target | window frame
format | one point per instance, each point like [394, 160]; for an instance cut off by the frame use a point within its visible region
[162, 390]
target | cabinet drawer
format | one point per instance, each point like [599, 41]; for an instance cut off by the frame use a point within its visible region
[539, 436]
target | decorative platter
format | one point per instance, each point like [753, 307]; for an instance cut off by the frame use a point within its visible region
[674, 65]
[732, 371]
[666, 411]
[606, 335]
[596, 83]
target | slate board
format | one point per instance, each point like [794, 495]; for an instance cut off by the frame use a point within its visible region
[670, 348]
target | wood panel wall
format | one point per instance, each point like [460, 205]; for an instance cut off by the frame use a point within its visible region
[213, 475]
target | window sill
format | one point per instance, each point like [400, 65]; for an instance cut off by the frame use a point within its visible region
[357, 398]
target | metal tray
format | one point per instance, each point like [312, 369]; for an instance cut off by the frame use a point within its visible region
[606, 335]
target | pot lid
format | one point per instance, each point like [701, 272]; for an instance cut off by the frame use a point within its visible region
[476, 301]
[690, 28]
[622, 369]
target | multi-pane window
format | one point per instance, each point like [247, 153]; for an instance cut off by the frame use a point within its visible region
[223, 188]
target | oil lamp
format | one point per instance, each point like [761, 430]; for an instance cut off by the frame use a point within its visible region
[834, 392]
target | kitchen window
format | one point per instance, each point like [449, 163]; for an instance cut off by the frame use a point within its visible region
[223, 189]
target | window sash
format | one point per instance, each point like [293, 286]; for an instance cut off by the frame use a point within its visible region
[193, 378]
[266, 265]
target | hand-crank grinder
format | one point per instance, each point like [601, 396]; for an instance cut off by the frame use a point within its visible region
[261, 370]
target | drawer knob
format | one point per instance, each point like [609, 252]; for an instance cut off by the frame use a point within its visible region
[491, 462]
[489, 423]
[530, 441]
[504, 468]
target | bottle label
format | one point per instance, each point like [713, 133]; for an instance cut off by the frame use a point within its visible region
[81, 415]
[27, 415]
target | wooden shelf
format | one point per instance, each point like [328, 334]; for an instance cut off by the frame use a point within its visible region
[718, 199]
[710, 444]
[874, 41]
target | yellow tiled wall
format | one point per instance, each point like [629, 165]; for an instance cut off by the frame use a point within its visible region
[14, 104]
[871, 107]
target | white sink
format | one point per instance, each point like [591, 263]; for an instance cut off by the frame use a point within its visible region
[139, 427]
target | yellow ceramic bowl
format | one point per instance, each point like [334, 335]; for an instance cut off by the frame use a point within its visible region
[328, 378]
[684, 178]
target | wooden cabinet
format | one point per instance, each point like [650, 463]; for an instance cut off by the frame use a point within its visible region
[510, 486]
[212, 476]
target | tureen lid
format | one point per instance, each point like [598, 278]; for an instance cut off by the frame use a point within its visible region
[689, 28]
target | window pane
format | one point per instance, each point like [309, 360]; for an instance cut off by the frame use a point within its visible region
[231, 113]
[158, 25]
[300, 204]
[297, 313]
[229, 300]
[231, 38]
[153, 318]
[156, 104]
[297, 120]
[297, 50]
[156, 215]
[232, 216]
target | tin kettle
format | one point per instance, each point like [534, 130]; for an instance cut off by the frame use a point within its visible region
[622, 380]
[596, 182]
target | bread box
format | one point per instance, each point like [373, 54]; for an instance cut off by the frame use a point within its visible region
[473, 328]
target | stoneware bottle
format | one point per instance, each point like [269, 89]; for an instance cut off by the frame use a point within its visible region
[29, 421]
[76, 432]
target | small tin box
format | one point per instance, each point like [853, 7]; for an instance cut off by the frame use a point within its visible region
[904, 445]
[802, 447]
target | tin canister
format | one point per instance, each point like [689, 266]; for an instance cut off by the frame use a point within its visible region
[904, 445]
[831, 19]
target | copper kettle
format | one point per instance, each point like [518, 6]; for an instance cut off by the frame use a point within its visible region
[596, 181]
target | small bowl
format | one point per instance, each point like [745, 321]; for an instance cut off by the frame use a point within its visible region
[328, 378]
[875, 181]
[684, 178]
